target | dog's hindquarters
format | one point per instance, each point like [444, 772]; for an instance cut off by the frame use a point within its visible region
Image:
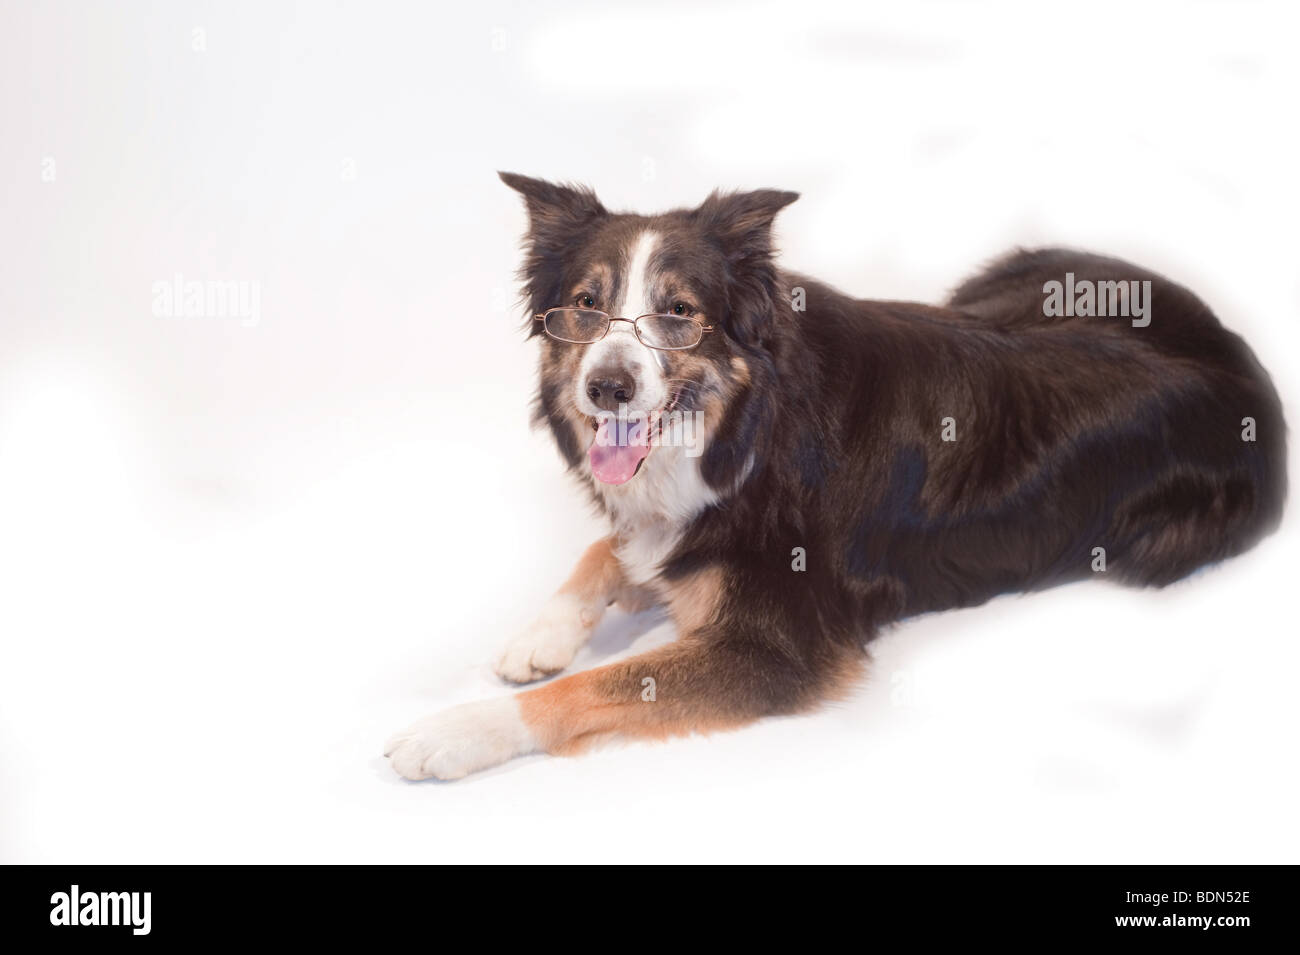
[1220, 481]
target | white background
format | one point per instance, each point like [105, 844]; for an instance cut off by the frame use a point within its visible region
[235, 557]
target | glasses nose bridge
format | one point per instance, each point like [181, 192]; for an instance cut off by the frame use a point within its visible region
[617, 318]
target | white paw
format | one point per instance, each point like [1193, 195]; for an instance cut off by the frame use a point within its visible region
[461, 740]
[550, 643]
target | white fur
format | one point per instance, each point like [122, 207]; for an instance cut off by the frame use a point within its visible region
[636, 296]
[621, 348]
[462, 740]
[551, 641]
[650, 511]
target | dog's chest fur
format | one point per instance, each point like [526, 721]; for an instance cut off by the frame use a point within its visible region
[652, 511]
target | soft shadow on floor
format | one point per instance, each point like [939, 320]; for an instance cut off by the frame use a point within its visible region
[621, 631]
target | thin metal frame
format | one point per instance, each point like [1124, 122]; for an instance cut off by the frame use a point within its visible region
[611, 319]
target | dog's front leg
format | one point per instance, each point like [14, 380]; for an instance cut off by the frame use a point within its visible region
[567, 620]
[724, 673]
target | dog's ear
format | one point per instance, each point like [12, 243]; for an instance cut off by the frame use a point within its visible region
[557, 216]
[555, 210]
[741, 222]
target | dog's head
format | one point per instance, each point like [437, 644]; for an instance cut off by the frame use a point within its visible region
[696, 291]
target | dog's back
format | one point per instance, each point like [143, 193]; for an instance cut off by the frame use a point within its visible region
[987, 447]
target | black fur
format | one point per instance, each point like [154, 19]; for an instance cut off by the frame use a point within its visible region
[1072, 434]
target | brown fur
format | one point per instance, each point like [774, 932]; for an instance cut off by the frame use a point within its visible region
[694, 601]
[597, 576]
[696, 685]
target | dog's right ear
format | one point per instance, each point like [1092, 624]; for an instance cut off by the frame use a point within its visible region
[555, 210]
[557, 217]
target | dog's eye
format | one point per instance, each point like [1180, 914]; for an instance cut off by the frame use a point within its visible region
[681, 308]
[584, 301]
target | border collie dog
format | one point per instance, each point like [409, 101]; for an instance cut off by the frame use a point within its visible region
[855, 462]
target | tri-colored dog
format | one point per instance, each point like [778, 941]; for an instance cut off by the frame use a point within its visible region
[856, 461]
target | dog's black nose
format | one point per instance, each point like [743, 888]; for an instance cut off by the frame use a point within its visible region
[610, 387]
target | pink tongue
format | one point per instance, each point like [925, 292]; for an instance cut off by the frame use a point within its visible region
[615, 463]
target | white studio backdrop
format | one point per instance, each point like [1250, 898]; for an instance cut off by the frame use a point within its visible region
[237, 552]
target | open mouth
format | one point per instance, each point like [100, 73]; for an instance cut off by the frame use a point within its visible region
[622, 445]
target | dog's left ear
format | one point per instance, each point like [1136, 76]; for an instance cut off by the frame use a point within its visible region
[742, 223]
[743, 220]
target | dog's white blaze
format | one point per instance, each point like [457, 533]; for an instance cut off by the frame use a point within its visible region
[620, 348]
[636, 296]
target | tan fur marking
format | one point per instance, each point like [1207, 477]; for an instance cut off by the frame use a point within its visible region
[847, 674]
[690, 693]
[570, 714]
[740, 370]
[599, 281]
[693, 602]
[597, 576]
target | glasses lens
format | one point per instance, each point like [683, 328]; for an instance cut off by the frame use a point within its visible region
[578, 325]
[669, 332]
